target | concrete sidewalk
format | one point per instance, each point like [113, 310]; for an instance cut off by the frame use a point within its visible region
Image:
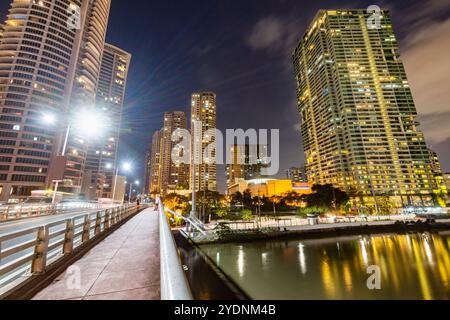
[125, 266]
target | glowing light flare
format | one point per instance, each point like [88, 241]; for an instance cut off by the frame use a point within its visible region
[91, 123]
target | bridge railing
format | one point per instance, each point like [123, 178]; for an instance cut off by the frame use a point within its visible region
[32, 250]
[13, 212]
[174, 285]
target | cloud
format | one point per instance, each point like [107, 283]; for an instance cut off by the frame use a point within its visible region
[436, 125]
[428, 70]
[423, 12]
[268, 33]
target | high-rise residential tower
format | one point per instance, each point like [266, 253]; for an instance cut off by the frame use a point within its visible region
[93, 27]
[147, 171]
[359, 125]
[174, 173]
[297, 174]
[42, 56]
[203, 110]
[155, 162]
[247, 163]
[102, 153]
[2, 29]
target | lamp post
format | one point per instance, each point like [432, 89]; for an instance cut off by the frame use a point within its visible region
[63, 153]
[86, 122]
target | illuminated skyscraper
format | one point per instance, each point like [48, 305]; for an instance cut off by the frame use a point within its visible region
[148, 170]
[42, 56]
[203, 109]
[155, 162]
[174, 174]
[2, 29]
[297, 174]
[247, 163]
[359, 125]
[102, 153]
[93, 27]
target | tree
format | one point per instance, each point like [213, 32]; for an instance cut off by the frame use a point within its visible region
[207, 201]
[293, 199]
[247, 215]
[247, 199]
[303, 212]
[221, 213]
[176, 202]
[326, 196]
[237, 199]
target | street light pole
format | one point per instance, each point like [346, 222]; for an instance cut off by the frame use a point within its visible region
[129, 194]
[116, 176]
[63, 153]
[193, 166]
[194, 209]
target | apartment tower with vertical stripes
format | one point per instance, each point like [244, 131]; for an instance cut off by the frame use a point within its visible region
[359, 120]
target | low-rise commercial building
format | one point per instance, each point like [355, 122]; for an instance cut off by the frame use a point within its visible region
[270, 187]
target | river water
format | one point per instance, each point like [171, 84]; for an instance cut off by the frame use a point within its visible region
[409, 266]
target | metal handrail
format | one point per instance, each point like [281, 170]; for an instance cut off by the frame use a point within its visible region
[31, 255]
[174, 285]
[196, 224]
[12, 212]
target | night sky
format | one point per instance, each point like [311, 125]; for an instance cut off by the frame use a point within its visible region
[241, 50]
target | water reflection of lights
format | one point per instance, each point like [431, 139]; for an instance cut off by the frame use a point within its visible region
[426, 246]
[336, 267]
[408, 241]
[218, 258]
[302, 259]
[365, 257]
[241, 262]
[264, 260]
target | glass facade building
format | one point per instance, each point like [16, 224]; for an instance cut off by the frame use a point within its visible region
[359, 126]
[102, 154]
[203, 109]
[174, 174]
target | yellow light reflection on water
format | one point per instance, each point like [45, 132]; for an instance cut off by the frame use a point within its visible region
[413, 266]
[302, 258]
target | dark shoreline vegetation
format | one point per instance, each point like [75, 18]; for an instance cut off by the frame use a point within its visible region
[270, 234]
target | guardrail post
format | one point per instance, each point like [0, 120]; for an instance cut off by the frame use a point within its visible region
[98, 223]
[119, 216]
[19, 212]
[113, 216]
[107, 221]
[40, 251]
[86, 228]
[68, 238]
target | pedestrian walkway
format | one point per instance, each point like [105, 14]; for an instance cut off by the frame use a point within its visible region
[125, 266]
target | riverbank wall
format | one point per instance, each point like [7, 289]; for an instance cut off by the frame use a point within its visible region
[324, 231]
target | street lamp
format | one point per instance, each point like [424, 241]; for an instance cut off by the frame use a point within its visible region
[88, 123]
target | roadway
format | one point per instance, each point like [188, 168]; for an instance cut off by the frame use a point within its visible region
[13, 226]
[26, 223]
